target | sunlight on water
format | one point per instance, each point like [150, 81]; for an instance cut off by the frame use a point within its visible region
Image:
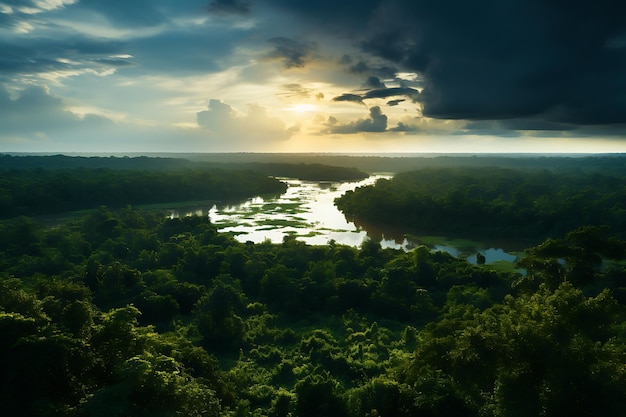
[307, 211]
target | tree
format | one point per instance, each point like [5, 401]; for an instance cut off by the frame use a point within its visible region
[222, 329]
[577, 258]
[548, 353]
[319, 395]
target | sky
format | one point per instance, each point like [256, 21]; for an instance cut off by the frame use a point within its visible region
[371, 76]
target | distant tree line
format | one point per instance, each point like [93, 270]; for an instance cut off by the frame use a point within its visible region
[39, 191]
[408, 162]
[616, 163]
[492, 201]
[128, 313]
[309, 171]
[9, 162]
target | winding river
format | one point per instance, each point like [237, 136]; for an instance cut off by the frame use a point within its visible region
[307, 211]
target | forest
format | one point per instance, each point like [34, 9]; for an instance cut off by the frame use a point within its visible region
[126, 312]
[37, 185]
[38, 191]
[492, 201]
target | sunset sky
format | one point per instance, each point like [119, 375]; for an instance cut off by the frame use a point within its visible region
[312, 76]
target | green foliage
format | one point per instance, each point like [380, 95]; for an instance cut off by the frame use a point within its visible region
[578, 258]
[125, 313]
[216, 316]
[546, 353]
[492, 201]
[319, 395]
[38, 191]
[382, 397]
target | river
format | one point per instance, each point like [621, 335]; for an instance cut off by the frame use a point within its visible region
[307, 211]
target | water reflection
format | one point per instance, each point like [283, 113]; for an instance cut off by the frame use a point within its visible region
[307, 211]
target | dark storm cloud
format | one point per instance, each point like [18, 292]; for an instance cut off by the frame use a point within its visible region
[353, 98]
[230, 6]
[362, 67]
[392, 92]
[533, 124]
[552, 60]
[489, 128]
[412, 93]
[376, 122]
[607, 131]
[293, 53]
[374, 82]
[392, 103]
[335, 16]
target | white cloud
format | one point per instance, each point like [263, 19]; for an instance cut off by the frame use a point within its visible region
[254, 128]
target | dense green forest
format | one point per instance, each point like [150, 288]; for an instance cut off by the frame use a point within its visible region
[36, 185]
[314, 171]
[408, 162]
[38, 191]
[127, 313]
[491, 201]
[367, 163]
[123, 312]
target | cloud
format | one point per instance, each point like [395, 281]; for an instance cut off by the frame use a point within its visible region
[293, 53]
[376, 122]
[406, 128]
[33, 110]
[554, 61]
[72, 57]
[36, 120]
[412, 93]
[172, 49]
[362, 67]
[35, 6]
[486, 127]
[392, 103]
[36, 111]
[374, 82]
[254, 128]
[35, 116]
[353, 98]
[230, 6]
[122, 13]
[296, 91]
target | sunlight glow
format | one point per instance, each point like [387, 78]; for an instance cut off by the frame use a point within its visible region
[302, 108]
